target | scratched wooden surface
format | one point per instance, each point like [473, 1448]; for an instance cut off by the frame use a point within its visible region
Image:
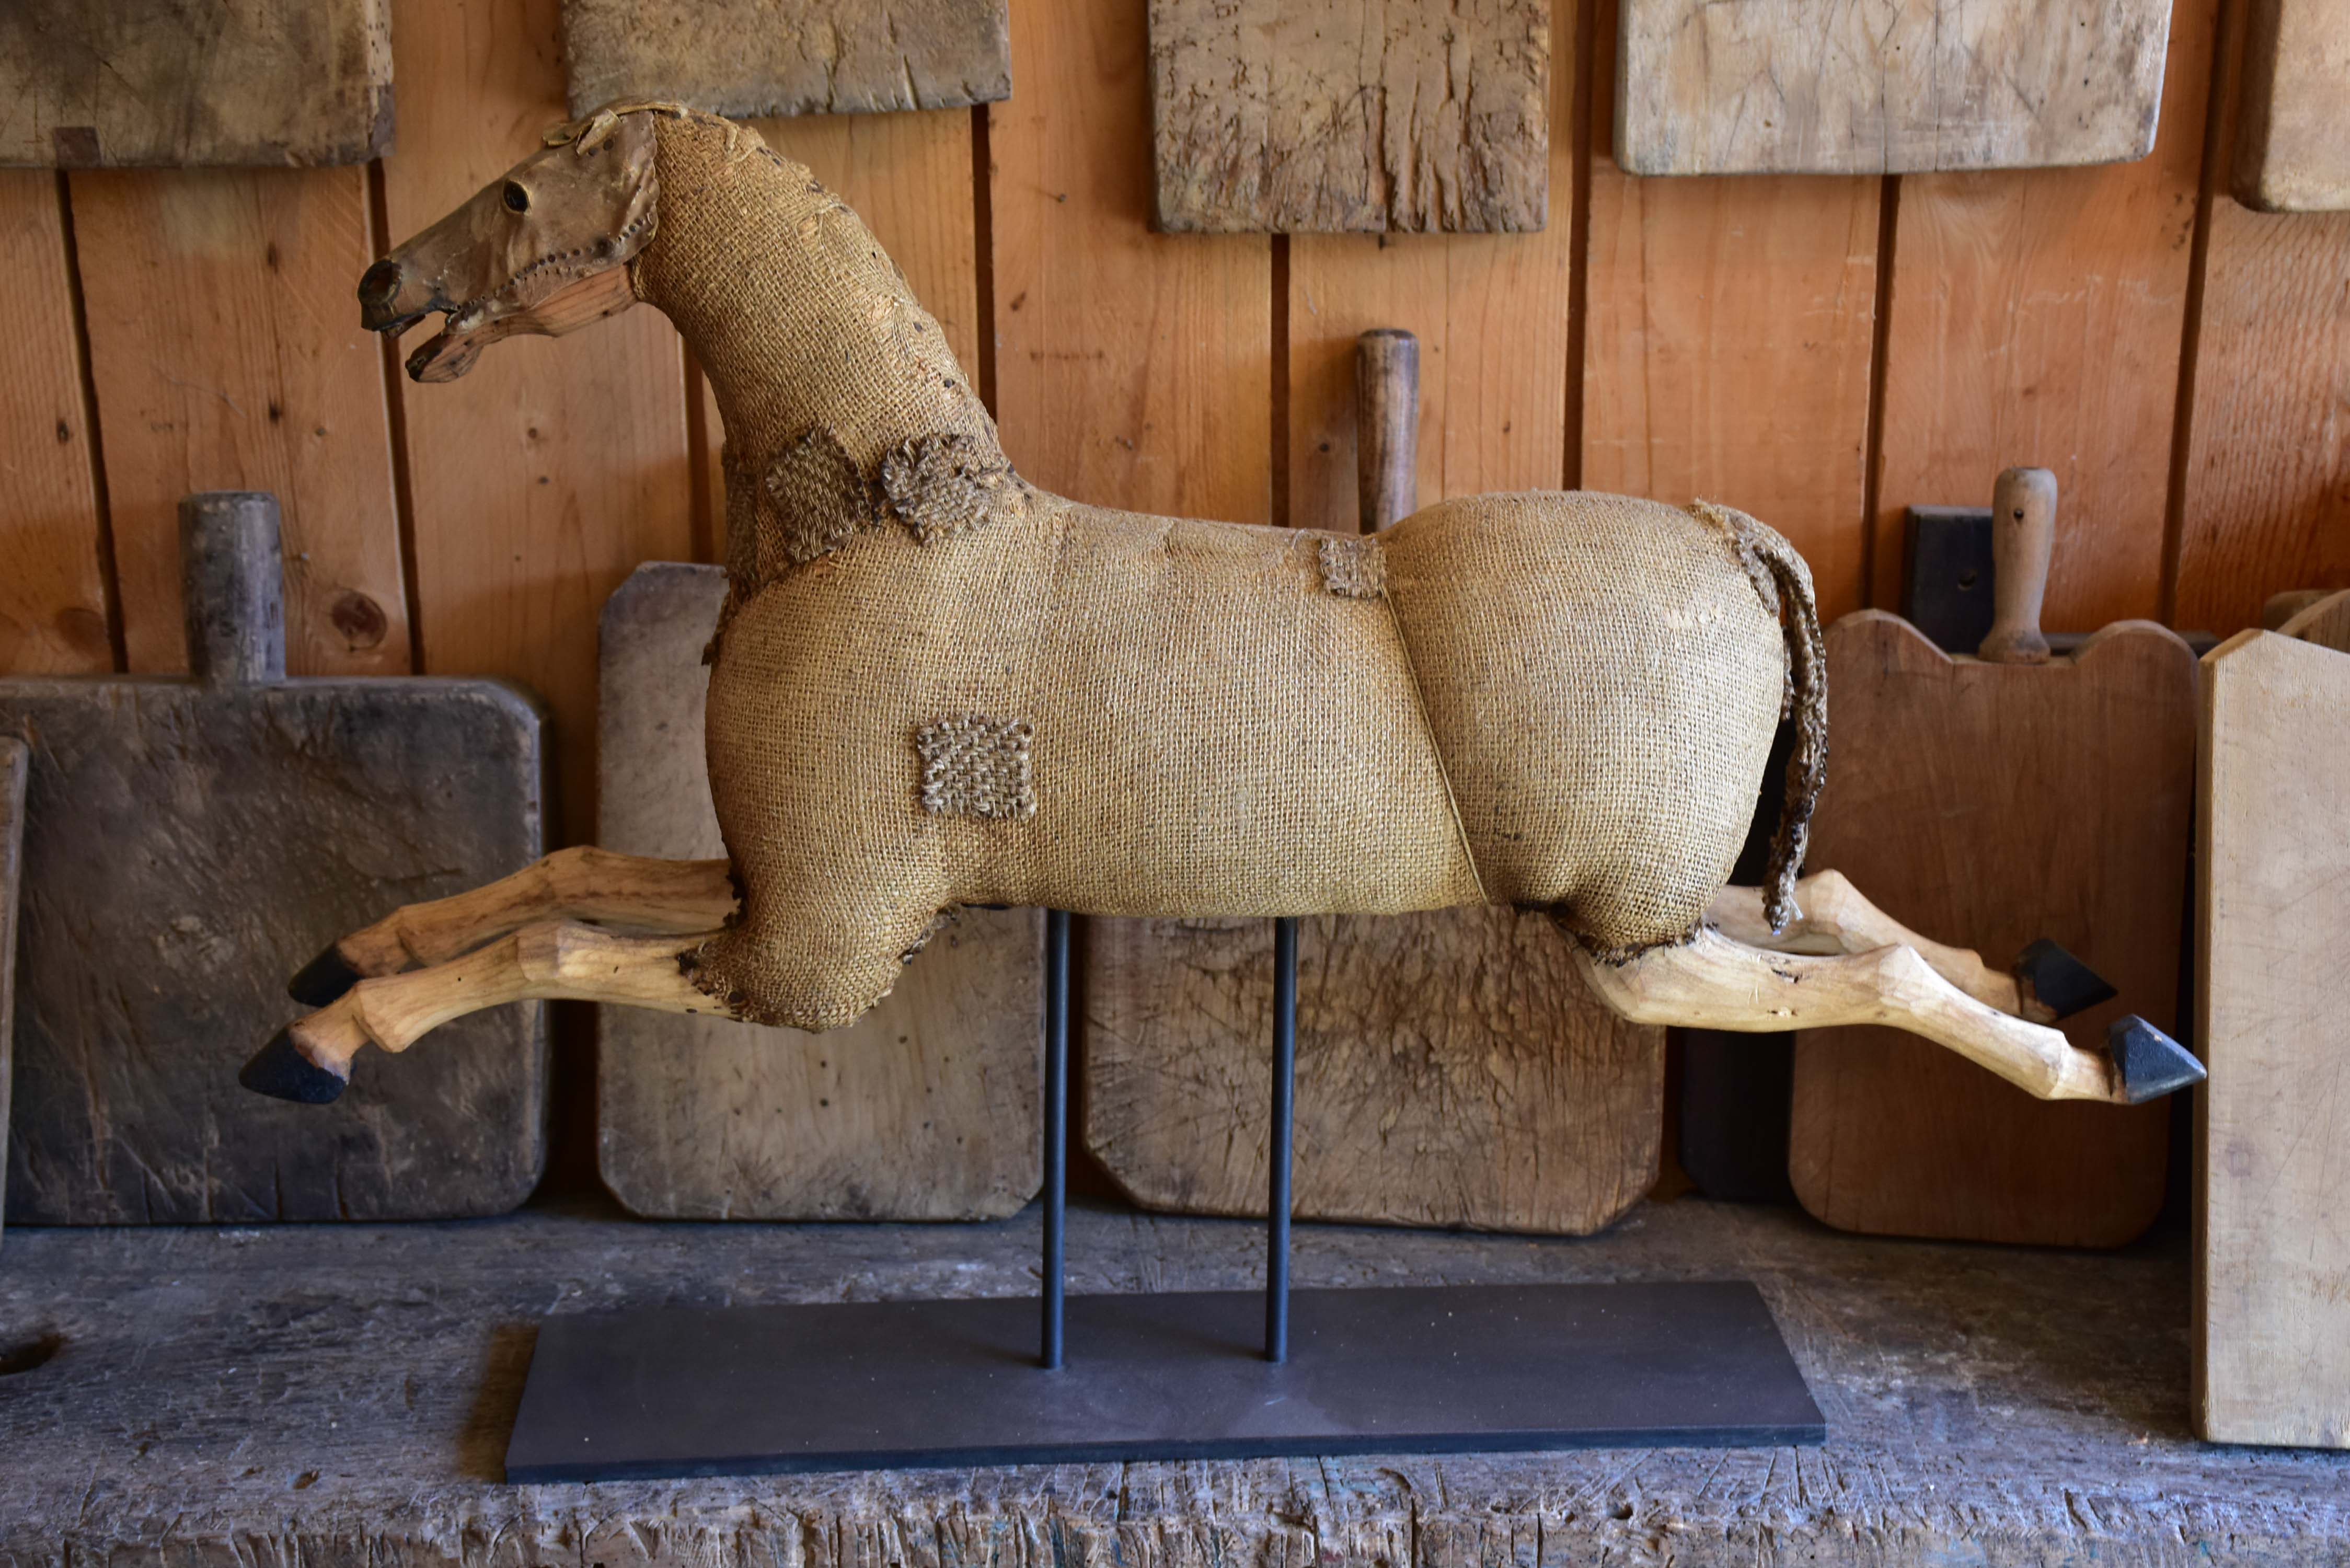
[1885, 87]
[325, 1394]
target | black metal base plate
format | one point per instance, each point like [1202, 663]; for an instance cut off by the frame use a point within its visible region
[695, 1391]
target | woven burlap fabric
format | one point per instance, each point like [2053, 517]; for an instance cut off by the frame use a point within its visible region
[1604, 676]
[935, 685]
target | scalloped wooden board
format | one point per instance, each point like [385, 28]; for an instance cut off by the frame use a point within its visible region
[1989, 805]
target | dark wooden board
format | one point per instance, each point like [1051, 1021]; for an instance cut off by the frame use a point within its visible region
[1988, 806]
[751, 58]
[1452, 1069]
[926, 1108]
[1291, 117]
[338, 1394]
[188, 848]
[14, 762]
[116, 84]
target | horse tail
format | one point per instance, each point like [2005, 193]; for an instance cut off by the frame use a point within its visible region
[1785, 583]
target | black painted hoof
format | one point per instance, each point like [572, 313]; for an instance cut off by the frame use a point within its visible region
[324, 979]
[2151, 1063]
[2059, 981]
[280, 1071]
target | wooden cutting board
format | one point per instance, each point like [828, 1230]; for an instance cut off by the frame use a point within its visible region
[14, 761]
[2292, 136]
[1991, 804]
[1885, 87]
[116, 84]
[926, 1108]
[2272, 1189]
[190, 843]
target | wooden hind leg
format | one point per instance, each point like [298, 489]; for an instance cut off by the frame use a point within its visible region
[310, 1059]
[633, 891]
[1837, 920]
[1714, 982]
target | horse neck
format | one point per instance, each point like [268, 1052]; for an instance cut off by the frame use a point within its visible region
[792, 309]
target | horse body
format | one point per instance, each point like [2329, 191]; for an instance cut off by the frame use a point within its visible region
[934, 684]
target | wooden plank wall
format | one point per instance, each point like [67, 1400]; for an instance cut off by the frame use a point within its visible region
[1823, 352]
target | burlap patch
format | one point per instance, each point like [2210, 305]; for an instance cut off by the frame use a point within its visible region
[943, 484]
[975, 766]
[820, 499]
[1353, 568]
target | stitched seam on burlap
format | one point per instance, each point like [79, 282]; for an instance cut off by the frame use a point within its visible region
[1353, 568]
[1436, 748]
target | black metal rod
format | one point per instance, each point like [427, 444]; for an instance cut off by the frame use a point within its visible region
[1284, 1105]
[1056, 1127]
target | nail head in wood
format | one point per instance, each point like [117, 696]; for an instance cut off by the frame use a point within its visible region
[234, 586]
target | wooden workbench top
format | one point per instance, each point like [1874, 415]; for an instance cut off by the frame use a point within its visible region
[308, 1395]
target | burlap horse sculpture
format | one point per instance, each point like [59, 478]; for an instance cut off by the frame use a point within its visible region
[934, 684]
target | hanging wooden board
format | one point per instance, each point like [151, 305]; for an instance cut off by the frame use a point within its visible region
[2292, 134]
[1451, 1070]
[116, 84]
[752, 57]
[926, 1108]
[1291, 117]
[2272, 1194]
[1991, 804]
[1885, 87]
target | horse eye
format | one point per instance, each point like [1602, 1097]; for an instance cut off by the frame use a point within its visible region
[517, 199]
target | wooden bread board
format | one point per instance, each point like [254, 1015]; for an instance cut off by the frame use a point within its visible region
[1989, 805]
[1452, 1069]
[926, 1108]
[2273, 1188]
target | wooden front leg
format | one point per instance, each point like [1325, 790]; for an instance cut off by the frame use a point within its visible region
[1836, 918]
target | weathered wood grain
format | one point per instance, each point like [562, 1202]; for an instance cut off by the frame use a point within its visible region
[1991, 805]
[93, 84]
[541, 478]
[2037, 318]
[16, 759]
[2273, 1291]
[1452, 1069]
[751, 58]
[2293, 141]
[187, 848]
[2264, 494]
[328, 1394]
[1282, 115]
[53, 615]
[926, 1108]
[1132, 370]
[1728, 345]
[1493, 314]
[1885, 87]
[226, 353]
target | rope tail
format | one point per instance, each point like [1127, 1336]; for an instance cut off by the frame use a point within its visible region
[1785, 583]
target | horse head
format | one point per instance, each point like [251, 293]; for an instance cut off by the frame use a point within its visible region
[543, 249]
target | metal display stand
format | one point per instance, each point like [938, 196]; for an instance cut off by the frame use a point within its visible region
[687, 1391]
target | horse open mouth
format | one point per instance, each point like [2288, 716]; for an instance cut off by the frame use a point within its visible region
[475, 327]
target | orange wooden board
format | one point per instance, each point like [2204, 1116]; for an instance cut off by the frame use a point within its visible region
[2036, 317]
[226, 353]
[1988, 806]
[53, 613]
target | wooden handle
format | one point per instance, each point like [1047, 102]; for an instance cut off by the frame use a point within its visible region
[2022, 533]
[1386, 426]
[233, 585]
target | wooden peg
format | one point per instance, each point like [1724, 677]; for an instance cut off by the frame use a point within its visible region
[2022, 534]
[1386, 426]
[234, 587]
